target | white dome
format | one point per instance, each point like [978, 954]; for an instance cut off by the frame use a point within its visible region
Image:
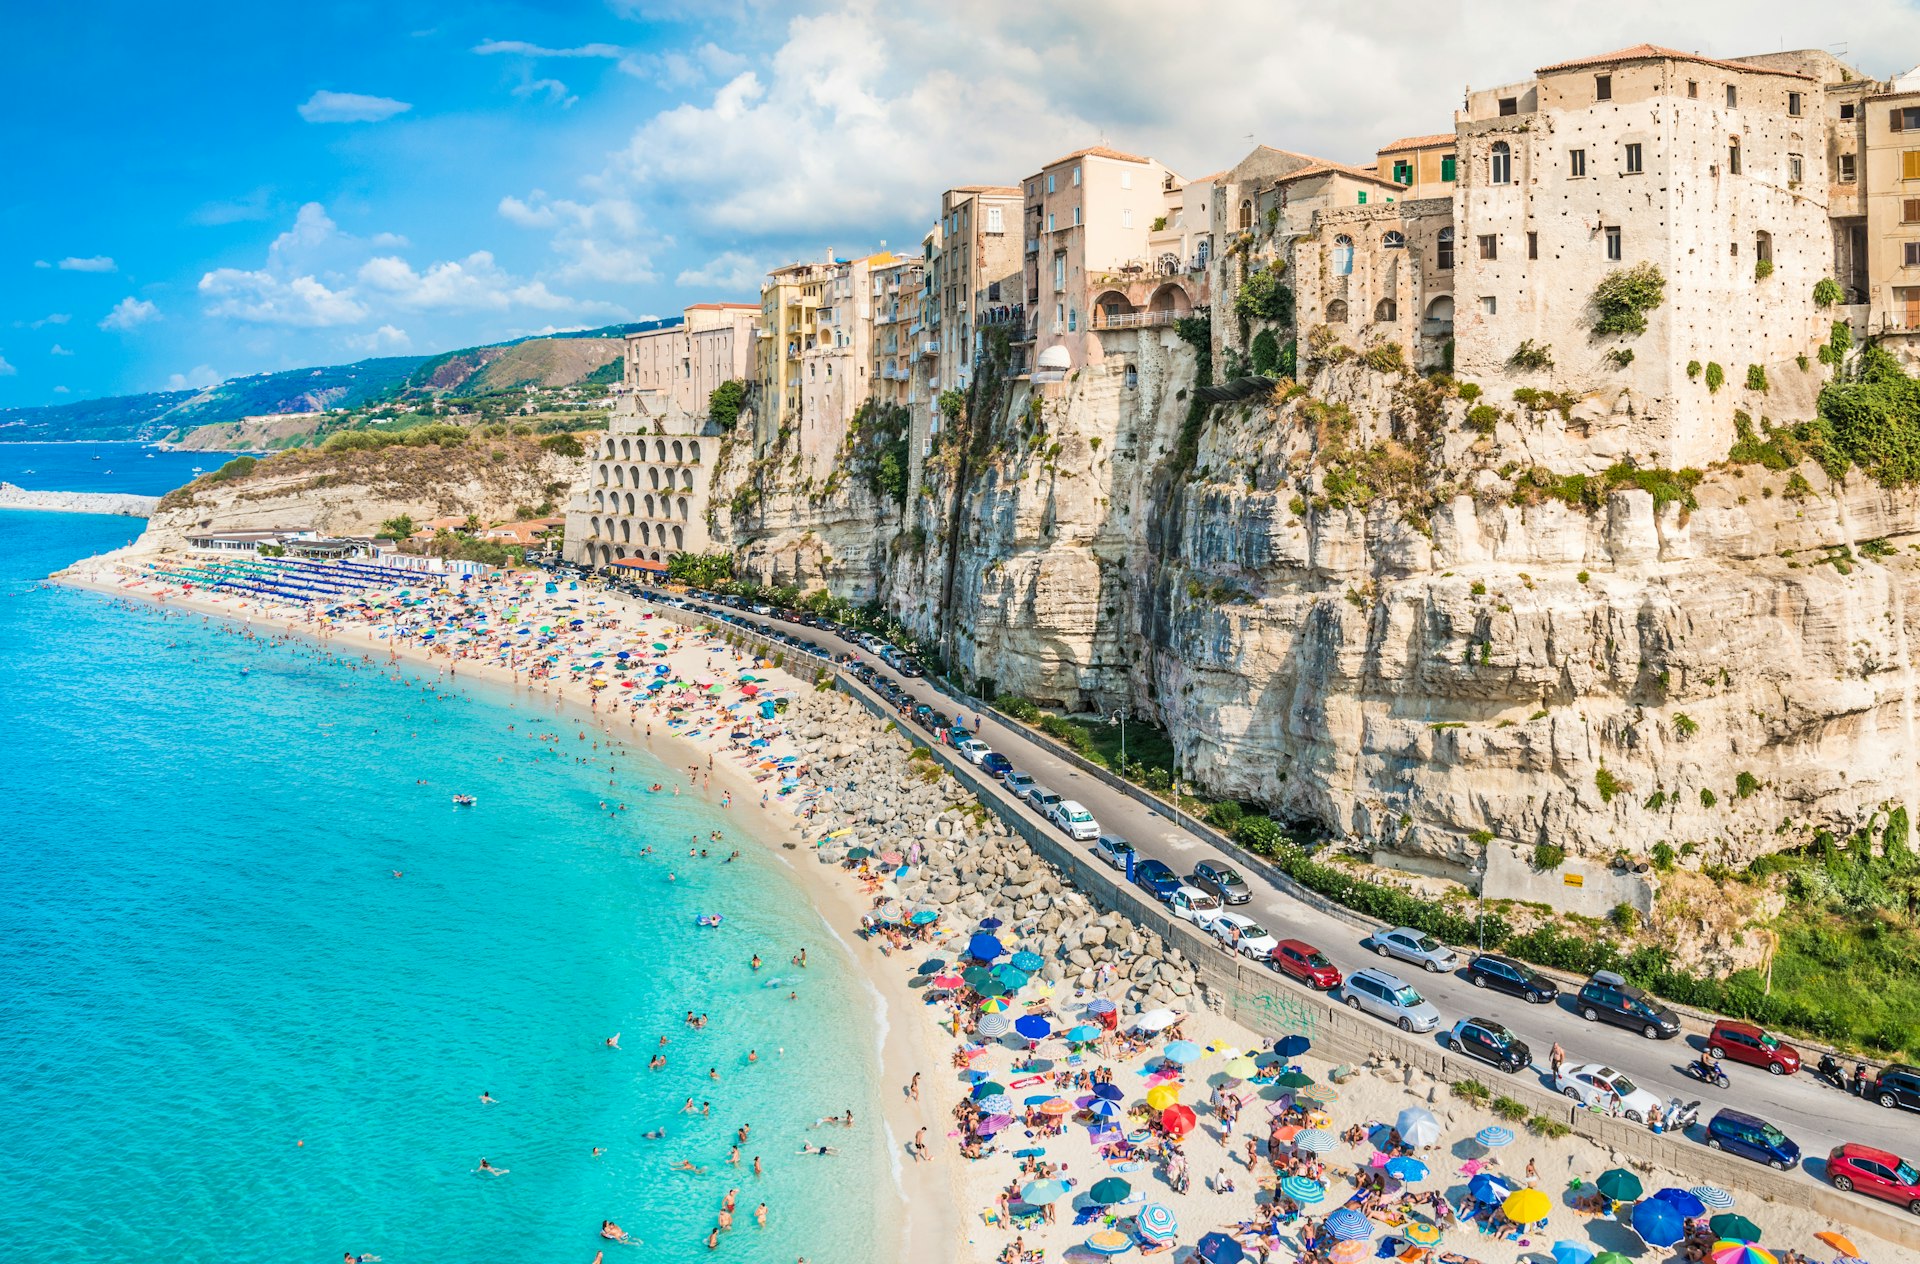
[1056, 357]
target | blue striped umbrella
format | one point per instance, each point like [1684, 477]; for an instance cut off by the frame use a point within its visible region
[1303, 1191]
[1349, 1225]
[993, 1026]
[1156, 1223]
[1494, 1137]
[1316, 1141]
[1105, 1109]
[1713, 1196]
[1489, 1188]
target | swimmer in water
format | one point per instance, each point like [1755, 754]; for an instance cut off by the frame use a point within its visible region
[487, 1099]
[686, 1165]
[613, 1041]
[823, 1150]
[490, 1169]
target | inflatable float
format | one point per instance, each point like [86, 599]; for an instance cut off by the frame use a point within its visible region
[707, 919]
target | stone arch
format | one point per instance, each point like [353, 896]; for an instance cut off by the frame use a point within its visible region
[649, 504]
[686, 479]
[1113, 307]
[659, 449]
[679, 538]
[1386, 311]
[626, 529]
[619, 476]
[633, 502]
[636, 474]
[1439, 323]
[621, 552]
[1170, 300]
[626, 449]
[656, 555]
[683, 508]
[1337, 312]
[679, 452]
[693, 451]
[1343, 255]
[653, 476]
[646, 533]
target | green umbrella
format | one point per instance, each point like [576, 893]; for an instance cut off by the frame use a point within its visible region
[1619, 1184]
[992, 988]
[1734, 1228]
[978, 976]
[1294, 1079]
[1609, 1257]
[858, 853]
[1109, 1191]
[656, 645]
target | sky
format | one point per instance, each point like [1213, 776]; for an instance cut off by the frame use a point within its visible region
[248, 187]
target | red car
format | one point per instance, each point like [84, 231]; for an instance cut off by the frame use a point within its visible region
[1743, 1042]
[1306, 963]
[1876, 1174]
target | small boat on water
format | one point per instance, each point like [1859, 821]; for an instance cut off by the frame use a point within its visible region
[196, 470]
[463, 800]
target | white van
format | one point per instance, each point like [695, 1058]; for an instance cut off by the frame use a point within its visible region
[1076, 821]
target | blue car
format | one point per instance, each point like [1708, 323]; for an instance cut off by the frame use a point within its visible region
[1156, 879]
[996, 765]
[1752, 1138]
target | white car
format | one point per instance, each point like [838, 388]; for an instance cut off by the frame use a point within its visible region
[973, 749]
[1194, 905]
[1075, 820]
[1245, 936]
[1600, 1087]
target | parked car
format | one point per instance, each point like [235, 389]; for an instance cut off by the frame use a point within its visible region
[1389, 997]
[910, 669]
[923, 715]
[1754, 1138]
[1243, 935]
[1044, 801]
[1491, 1043]
[1416, 946]
[1076, 821]
[1020, 783]
[1155, 878]
[1300, 960]
[1897, 1086]
[1219, 878]
[1113, 849]
[1504, 974]
[1875, 1173]
[1610, 998]
[997, 766]
[972, 749]
[1191, 904]
[1743, 1042]
[1599, 1087]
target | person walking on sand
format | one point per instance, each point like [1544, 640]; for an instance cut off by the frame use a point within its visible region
[913, 1087]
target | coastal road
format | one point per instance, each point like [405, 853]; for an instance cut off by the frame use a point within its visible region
[1815, 1115]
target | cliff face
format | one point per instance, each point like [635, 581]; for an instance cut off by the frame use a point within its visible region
[1359, 608]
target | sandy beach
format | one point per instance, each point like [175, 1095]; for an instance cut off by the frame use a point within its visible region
[1248, 1158]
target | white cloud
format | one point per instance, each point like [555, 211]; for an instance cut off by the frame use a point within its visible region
[58, 350]
[385, 338]
[59, 390]
[7, 370]
[728, 270]
[527, 215]
[473, 284]
[600, 241]
[350, 107]
[41, 263]
[612, 52]
[94, 263]
[556, 92]
[198, 378]
[52, 318]
[262, 298]
[130, 313]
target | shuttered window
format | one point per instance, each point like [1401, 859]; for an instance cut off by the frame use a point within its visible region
[1910, 164]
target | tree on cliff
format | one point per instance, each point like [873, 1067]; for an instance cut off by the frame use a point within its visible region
[724, 404]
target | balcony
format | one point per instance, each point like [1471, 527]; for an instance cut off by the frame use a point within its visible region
[1132, 320]
[931, 347]
[1003, 315]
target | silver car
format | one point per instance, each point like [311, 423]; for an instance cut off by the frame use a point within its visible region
[1416, 946]
[1384, 996]
[1222, 880]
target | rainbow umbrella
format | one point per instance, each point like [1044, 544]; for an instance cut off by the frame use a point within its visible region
[993, 1005]
[1739, 1253]
[1156, 1223]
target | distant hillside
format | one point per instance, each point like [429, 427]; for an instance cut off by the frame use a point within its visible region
[545, 360]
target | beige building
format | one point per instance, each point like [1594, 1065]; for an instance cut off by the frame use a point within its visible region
[835, 372]
[1886, 129]
[790, 297]
[676, 369]
[895, 291]
[973, 276]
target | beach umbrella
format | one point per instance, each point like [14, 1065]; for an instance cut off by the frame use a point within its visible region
[1028, 961]
[1241, 1068]
[1179, 1120]
[1109, 1242]
[1033, 1027]
[1417, 1127]
[1013, 980]
[1109, 1190]
[1040, 1193]
[658, 646]
[1838, 1241]
[1056, 1107]
[977, 976]
[1161, 1096]
[991, 924]
[1420, 1233]
[1740, 1253]
[948, 982]
[1291, 1046]
[1740, 1229]
[1316, 1141]
[1108, 1092]
[1527, 1206]
[997, 1104]
[1319, 1095]
[1156, 1223]
[1657, 1223]
[1684, 1202]
[1611, 1257]
[1714, 1197]
[1494, 1136]
[993, 1005]
[1619, 1184]
[1565, 1252]
[892, 858]
[987, 1088]
[1038, 1099]
[1156, 1020]
[994, 1026]
[1081, 1034]
[1406, 1169]
[984, 948]
[1101, 1109]
[992, 989]
[1218, 1248]
[1489, 1188]
[922, 917]
[858, 853]
[1182, 1052]
[1349, 1252]
[1349, 1225]
[1101, 1005]
[1303, 1191]
[1293, 1079]
[992, 1124]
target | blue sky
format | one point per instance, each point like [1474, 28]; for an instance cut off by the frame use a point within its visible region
[262, 187]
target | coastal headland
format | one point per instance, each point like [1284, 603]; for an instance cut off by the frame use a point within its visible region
[120, 503]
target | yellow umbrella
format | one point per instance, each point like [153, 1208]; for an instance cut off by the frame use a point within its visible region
[1241, 1068]
[1161, 1096]
[1525, 1206]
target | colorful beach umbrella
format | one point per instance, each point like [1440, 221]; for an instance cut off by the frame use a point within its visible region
[1161, 1096]
[1527, 1206]
[1033, 1027]
[1611, 1257]
[1406, 1169]
[947, 982]
[1351, 1252]
[1489, 1188]
[1109, 1190]
[1494, 1136]
[1732, 1228]
[1316, 1141]
[998, 1104]
[1421, 1233]
[1657, 1223]
[993, 1005]
[1056, 1107]
[1291, 1046]
[1349, 1225]
[991, 923]
[1303, 1191]
[1619, 1184]
[1740, 1253]
[993, 1123]
[1838, 1241]
[1108, 1242]
[1104, 1110]
[993, 1026]
[1156, 1223]
[1714, 1197]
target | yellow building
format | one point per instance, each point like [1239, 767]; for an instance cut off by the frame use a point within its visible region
[790, 301]
[1425, 166]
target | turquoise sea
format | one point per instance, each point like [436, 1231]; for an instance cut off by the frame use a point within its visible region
[228, 1033]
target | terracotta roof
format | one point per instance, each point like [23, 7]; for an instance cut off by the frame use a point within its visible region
[1653, 52]
[1008, 190]
[1339, 169]
[1418, 142]
[1207, 179]
[642, 564]
[717, 307]
[1095, 151]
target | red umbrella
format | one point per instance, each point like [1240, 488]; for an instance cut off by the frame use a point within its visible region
[749, 690]
[1178, 1120]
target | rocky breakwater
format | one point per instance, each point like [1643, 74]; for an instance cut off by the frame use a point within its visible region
[970, 865]
[122, 503]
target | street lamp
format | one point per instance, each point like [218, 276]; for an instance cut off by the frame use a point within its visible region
[1120, 718]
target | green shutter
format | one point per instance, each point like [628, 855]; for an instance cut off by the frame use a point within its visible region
[1363, 197]
[1446, 167]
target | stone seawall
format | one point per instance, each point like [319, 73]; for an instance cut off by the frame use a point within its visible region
[124, 503]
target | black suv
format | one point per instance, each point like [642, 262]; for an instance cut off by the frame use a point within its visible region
[1897, 1086]
[1504, 974]
[1608, 997]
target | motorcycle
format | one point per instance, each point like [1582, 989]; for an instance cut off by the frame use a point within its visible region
[1707, 1073]
[1830, 1071]
[1679, 1116]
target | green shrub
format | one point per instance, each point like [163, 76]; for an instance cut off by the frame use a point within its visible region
[1624, 297]
[1547, 857]
[1508, 1109]
[238, 467]
[1797, 488]
[1607, 784]
[1827, 292]
[1583, 577]
[1266, 353]
[1262, 297]
[1744, 785]
[1471, 1090]
[563, 445]
[1543, 1126]
[1684, 724]
[1225, 815]
[1716, 377]
[1762, 269]
[1620, 357]
[1469, 391]
[1624, 918]
[1478, 589]
[1483, 418]
[1663, 858]
[1527, 357]
[1385, 357]
[1707, 798]
[1259, 835]
[1693, 369]
[1756, 378]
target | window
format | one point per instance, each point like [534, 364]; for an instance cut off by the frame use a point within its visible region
[1634, 163]
[1733, 156]
[1126, 179]
[1613, 242]
[1363, 197]
[1846, 112]
[1060, 271]
[1343, 255]
[1910, 210]
[1076, 215]
[993, 291]
[1049, 221]
[1500, 164]
[1603, 87]
[1910, 254]
[1693, 88]
[1133, 377]
[1793, 104]
[1030, 189]
[1049, 182]
[1386, 311]
[1337, 312]
[1576, 163]
[1489, 246]
[1443, 251]
[995, 222]
[1910, 164]
[1509, 105]
[1533, 245]
[1733, 97]
[1126, 217]
[1246, 213]
[1489, 305]
[1073, 319]
[1402, 171]
[1846, 169]
[1447, 165]
[1394, 241]
[1076, 177]
[1905, 118]
[1796, 168]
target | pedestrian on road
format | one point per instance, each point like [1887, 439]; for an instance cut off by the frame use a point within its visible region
[1557, 1057]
